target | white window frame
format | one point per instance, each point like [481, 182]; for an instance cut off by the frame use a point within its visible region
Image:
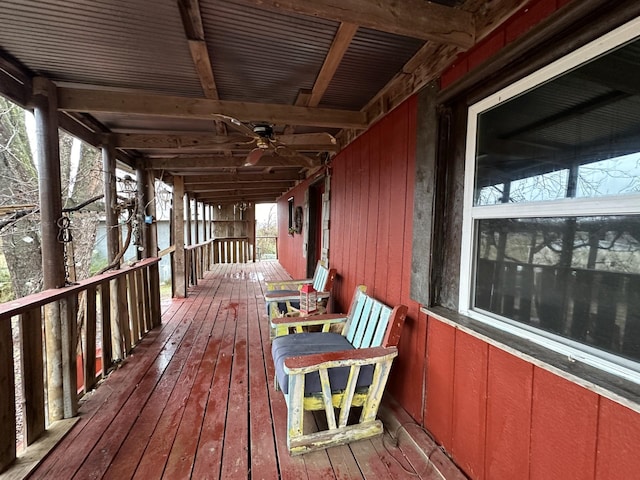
[613, 205]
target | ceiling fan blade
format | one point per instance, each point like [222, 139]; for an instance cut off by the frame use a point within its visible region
[253, 157]
[320, 139]
[236, 124]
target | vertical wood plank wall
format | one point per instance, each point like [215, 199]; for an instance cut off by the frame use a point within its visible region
[499, 416]
[372, 184]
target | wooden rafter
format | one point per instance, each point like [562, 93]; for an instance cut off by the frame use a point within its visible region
[244, 177]
[194, 30]
[108, 101]
[310, 142]
[213, 161]
[221, 186]
[430, 61]
[341, 42]
[411, 18]
[227, 199]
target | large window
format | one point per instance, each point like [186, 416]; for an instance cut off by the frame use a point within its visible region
[551, 238]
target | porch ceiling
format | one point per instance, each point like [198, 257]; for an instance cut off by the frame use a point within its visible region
[153, 78]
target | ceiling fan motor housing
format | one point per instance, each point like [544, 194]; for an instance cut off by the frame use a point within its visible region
[263, 130]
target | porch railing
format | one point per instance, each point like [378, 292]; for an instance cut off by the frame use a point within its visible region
[232, 250]
[199, 259]
[87, 314]
[264, 246]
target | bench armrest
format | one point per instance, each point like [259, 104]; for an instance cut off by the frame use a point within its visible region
[287, 284]
[344, 358]
[324, 319]
[281, 297]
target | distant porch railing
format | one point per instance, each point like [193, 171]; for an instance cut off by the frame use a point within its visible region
[232, 250]
[266, 248]
[87, 310]
[199, 259]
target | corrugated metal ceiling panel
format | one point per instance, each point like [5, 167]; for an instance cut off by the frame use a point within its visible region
[261, 56]
[373, 58]
[117, 43]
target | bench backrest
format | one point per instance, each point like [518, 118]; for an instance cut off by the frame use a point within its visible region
[323, 278]
[371, 323]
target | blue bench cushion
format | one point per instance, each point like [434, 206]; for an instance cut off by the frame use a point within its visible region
[310, 343]
[282, 306]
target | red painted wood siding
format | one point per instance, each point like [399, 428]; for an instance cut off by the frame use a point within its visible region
[516, 26]
[372, 186]
[499, 416]
[503, 418]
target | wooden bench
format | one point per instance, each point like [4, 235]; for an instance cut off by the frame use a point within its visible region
[296, 284]
[283, 297]
[325, 370]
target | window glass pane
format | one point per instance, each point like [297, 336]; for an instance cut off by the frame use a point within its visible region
[578, 277]
[577, 135]
[615, 176]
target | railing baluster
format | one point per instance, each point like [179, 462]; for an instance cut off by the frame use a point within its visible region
[7, 399]
[90, 339]
[64, 301]
[32, 374]
[68, 316]
[107, 349]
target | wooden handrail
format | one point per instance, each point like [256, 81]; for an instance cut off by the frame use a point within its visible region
[21, 305]
[127, 299]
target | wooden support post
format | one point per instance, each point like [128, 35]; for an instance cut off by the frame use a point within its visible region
[142, 197]
[196, 220]
[154, 289]
[48, 155]
[180, 273]
[152, 233]
[113, 240]
[211, 221]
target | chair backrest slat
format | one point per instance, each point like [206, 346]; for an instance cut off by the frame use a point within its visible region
[374, 321]
[320, 279]
[363, 324]
[385, 314]
[355, 314]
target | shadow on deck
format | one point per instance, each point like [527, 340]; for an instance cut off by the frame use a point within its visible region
[196, 400]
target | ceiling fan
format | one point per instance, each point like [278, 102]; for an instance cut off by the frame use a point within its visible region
[266, 142]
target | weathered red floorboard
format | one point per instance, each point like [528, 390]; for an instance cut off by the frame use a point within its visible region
[344, 465]
[291, 468]
[235, 462]
[132, 449]
[262, 446]
[393, 458]
[209, 456]
[185, 447]
[196, 400]
[96, 411]
[150, 390]
[157, 452]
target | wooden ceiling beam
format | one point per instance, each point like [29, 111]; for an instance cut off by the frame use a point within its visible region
[309, 142]
[342, 40]
[194, 30]
[430, 61]
[411, 18]
[109, 101]
[219, 161]
[238, 192]
[290, 176]
[214, 187]
[227, 199]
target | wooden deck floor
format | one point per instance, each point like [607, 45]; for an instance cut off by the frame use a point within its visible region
[196, 400]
